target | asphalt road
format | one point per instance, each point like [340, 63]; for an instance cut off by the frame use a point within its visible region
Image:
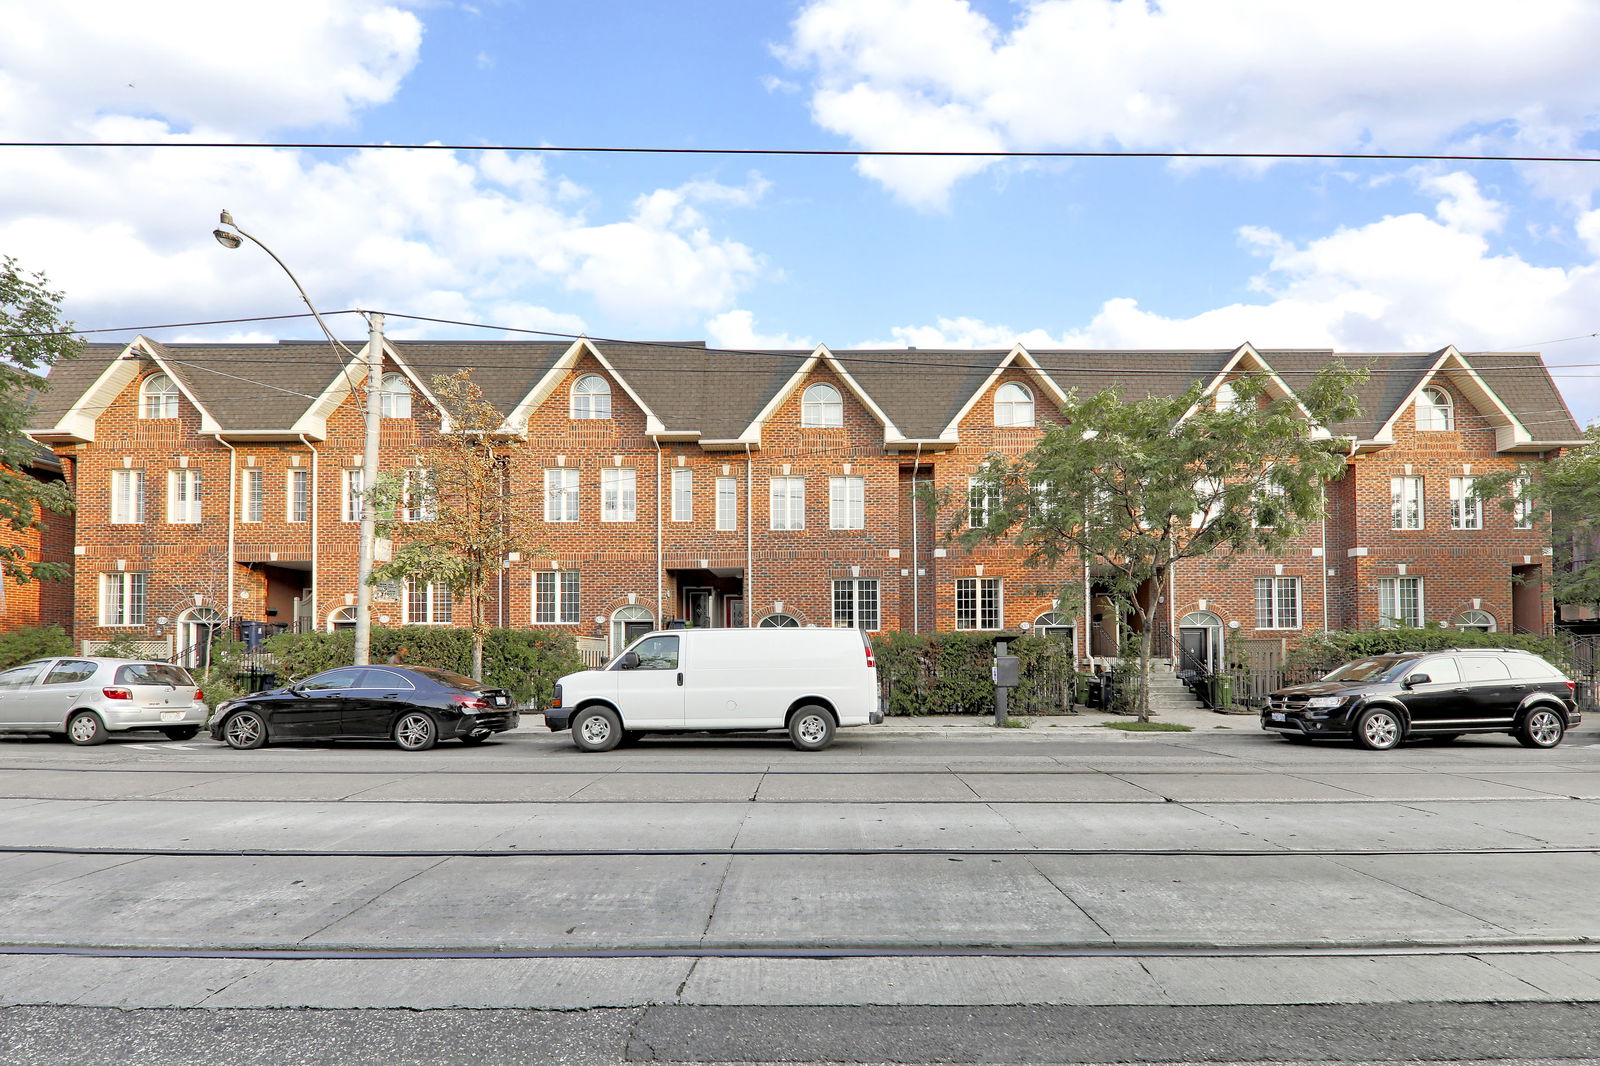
[930, 894]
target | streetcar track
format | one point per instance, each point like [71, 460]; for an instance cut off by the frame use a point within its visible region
[818, 852]
[1506, 946]
[941, 771]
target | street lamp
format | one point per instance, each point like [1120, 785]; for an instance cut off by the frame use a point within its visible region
[233, 238]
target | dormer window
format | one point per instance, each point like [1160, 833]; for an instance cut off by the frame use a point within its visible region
[1225, 398]
[394, 397]
[1434, 410]
[591, 397]
[160, 397]
[1013, 405]
[821, 406]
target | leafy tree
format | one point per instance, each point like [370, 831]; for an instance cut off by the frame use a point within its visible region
[1563, 495]
[451, 520]
[1136, 486]
[33, 337]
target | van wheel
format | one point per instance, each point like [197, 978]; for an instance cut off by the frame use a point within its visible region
[1541, 728]
[86, 728]
[1378, 730]
[811, 729]
[597, 729]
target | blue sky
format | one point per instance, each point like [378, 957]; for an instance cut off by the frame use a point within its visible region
[764, 250]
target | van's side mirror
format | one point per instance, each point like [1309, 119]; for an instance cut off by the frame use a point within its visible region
[1417, 679]
[628, 661]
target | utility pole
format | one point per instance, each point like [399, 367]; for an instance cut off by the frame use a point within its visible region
[369, 479]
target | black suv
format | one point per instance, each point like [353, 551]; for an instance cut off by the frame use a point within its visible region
[1384, 699]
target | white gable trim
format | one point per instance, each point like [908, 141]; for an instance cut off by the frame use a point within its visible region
[517, 421]
[313, 422]
[1018, 356]
[1245, 359]
[1509, 432]
[79, 420]
[821, 354]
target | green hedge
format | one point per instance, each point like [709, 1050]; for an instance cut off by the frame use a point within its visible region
[948, 673]
[32, 642]
[1324, 651]
[525, 662]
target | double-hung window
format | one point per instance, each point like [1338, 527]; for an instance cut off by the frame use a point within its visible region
[846, 503]
[855, 603]
[122, 598]
[788, 503]
[252, 496]
[1277, 603]
[355, 486]
[560, 494]
[682, 495]
[727, 503]
[981, 500]
[1466, 507]
[297, 496]
[1521, 505]
[619, 497]
[555, 597]
[978, 603]
[1399, 602]
[427, 603]
[421, 502]
[127, 497]
[183, 497]
[1405, 502]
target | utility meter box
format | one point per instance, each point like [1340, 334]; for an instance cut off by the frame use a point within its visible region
[1006, 671]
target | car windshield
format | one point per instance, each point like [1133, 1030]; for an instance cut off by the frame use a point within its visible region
[445, 677]
[152, 674]
[1371, 670]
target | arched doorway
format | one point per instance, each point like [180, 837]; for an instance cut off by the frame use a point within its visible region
[1200, 642]
[779, 621]
[628, 624]
[197, 628]
[1057, 626]
[1482, 621]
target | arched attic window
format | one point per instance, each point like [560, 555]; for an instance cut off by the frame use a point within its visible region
[591, 397]
[1434, 410]
[1013, 405]
[821, 406]
[1226, 398]
[778, 621]
[159, 397]
[394, 397]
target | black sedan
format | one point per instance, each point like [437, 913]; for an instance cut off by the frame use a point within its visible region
[414, 706]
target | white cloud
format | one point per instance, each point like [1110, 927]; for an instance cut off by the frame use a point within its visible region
[1203, 75]
[737, 329]
[1404, 283]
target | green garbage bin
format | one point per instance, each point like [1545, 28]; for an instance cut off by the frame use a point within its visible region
[1223, 691]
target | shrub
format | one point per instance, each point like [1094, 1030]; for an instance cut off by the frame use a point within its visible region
[948, 673]
[32, 642]
[1324, 651]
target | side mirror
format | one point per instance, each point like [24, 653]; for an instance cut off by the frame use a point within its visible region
[628, 661]
[1417, 679]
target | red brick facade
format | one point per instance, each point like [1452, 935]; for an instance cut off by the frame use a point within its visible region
[660, 565]
[36, 603]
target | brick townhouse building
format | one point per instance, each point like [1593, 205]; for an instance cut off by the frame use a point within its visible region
[36, 603]
[671, 481]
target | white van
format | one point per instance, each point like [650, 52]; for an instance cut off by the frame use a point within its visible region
[807, 681]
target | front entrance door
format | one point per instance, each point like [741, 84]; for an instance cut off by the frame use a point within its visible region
[1195, 642]
[697, 608]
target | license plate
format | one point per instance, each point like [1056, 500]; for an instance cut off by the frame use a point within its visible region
[171, 716]
[1278, 716]
[501, 701]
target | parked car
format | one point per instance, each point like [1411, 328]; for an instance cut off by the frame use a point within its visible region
[414, 706]
[88, 697]
[806, 681]
[1384, 699]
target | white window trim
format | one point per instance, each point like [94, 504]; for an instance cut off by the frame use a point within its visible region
[1461, 517]
[1274, 585]
[561, 505]
[418, 502]
[847, 502]
[793, 522]
[293, 476]
[856, 585]
[168, 398]
[1399, 499]
[353, 482]
[682, 494]
[979, 585]
[619, 500]
[430, 596]
[727, 490]
[252, 495]
[183, 496]
[125, 580]
[134, 498]
[595, 411]
[561, 600]
[830, 410]
[1521, 507]
[1012, 408]
[1395, 584]
[1444, 411]
[394, 402]
[979, 507]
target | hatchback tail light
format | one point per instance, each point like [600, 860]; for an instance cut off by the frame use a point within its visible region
[198, 695]
[118, 693]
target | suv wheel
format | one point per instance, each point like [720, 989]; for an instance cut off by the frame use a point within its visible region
[1541, 728]
[1378, 729]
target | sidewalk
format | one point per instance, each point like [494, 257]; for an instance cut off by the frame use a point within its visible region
[1198, 720]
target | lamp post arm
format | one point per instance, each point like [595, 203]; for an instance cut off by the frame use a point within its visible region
[297, 288]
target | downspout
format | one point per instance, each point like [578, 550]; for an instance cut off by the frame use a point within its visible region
[1324, 492]
[659, 557]
[233, 474]
[749, 535]
[916, 552]
[316, 598]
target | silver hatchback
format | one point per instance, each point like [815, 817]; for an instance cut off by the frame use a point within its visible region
[87, 697]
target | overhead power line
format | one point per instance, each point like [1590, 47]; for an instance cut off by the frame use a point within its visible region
[919, 153]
